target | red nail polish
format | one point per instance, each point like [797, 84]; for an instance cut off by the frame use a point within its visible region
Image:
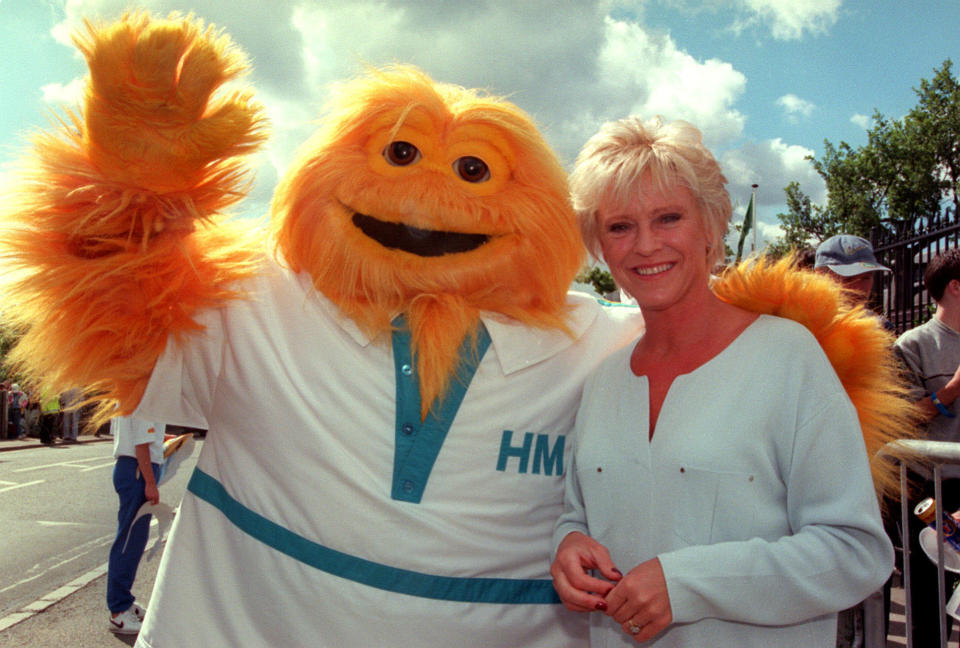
[602, 606]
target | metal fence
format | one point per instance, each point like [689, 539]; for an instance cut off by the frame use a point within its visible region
[932, 456]
[906, 248]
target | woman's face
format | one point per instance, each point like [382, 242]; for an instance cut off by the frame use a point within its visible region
[656, 247]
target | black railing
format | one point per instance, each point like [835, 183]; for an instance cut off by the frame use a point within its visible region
[905, 248]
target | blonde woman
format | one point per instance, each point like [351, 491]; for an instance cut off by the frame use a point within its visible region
[719, 492]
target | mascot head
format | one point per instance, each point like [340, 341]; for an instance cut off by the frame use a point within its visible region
[434, 202]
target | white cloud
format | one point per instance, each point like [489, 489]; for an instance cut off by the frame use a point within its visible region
[669, 82]
[863, 121]
[70, 94]
[785, 19]
[769, 163]
[772, 165]
[789, 19]
[795, 107]
[78, 10]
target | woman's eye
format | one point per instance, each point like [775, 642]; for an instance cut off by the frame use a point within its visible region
[472, 169]
[670, 218]
[401, 153]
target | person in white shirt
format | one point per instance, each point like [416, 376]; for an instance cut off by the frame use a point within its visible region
[138, 449]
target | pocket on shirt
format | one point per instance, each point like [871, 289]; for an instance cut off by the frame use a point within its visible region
[715, 506]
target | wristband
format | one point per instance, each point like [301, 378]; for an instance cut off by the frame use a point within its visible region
[941, 407]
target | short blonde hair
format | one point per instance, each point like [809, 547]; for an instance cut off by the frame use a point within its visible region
[612, 163]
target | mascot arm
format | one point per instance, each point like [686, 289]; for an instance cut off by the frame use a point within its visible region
[113, 238]
[854, 341]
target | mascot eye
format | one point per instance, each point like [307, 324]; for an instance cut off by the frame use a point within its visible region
[472, 169]
[401, 153]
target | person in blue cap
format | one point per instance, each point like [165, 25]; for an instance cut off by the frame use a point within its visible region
[851, 261]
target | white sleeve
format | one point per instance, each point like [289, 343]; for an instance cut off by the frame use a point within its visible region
[183, 382]
[838, 552]
[144, 432]
[573, 517]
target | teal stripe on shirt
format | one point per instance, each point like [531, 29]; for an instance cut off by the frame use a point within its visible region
[365, 572]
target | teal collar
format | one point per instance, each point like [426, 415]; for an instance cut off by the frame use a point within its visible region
[418, 444]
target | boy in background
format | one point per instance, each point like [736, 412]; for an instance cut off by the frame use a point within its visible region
[931, 354]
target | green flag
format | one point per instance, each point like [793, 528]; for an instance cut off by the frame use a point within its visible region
[747, 224]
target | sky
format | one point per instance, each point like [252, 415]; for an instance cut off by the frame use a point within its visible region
[766, 81]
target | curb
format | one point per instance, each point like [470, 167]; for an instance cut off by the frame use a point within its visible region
[10, 445]
[57, 595]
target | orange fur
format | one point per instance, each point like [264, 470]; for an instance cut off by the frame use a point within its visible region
[112, 236]
[857, 346]
[151, 119]
[523, 272]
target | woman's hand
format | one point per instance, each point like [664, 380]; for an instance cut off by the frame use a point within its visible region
[579, 591]
[640, 600]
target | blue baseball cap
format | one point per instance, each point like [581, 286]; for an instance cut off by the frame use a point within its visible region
[847, 255]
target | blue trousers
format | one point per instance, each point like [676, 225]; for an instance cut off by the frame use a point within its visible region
[131, 537]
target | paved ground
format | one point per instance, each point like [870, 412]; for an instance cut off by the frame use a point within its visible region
[76, 614]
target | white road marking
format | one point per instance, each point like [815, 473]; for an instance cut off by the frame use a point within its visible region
[109, 464]
[38, 571]
[45, 602]
[51, 523]
[75, 463]
[16, 486]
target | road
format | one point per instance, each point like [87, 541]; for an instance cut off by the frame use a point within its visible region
[58, 515]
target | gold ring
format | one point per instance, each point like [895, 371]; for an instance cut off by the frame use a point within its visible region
[634, 628]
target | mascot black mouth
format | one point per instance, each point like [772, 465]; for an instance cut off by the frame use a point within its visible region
[422, 242]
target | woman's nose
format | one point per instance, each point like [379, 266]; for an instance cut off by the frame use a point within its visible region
[646, 241]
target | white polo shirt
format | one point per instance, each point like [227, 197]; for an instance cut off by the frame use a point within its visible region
[130, 432]
[322, 513]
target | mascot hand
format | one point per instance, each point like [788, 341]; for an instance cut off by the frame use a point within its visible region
[151, 121]
[115, 237]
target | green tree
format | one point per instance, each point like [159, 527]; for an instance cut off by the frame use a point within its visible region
[803, 224]
[905, 172]
[601, 280]
[936, 122]
[7, 339]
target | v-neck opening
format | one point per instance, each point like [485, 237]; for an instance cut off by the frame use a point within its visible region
[418, 443]
[652, 426]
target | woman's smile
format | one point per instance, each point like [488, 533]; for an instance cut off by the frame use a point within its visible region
[647, 271]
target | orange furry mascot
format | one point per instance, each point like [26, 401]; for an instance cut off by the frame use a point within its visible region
[387, 388]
